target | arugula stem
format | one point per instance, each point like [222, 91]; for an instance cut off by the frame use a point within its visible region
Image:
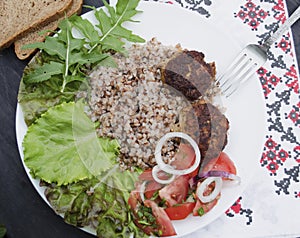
[116, 24]
[67, 63]
[94, 46]
[110, 30]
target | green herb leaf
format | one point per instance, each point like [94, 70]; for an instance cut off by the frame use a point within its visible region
[86, 28]
[82, 58]
[62, 146]
[200, 211]
[44, 72]
[65, 59]
[52, 46]
[111, 25]
[98, 202]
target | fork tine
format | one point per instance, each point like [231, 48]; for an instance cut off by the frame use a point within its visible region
[231, 68]
[240, 79]
[234, 75]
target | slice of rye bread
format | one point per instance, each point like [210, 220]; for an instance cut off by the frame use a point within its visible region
[34, 34]
[18, 16]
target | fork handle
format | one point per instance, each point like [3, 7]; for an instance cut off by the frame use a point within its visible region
[282, 29]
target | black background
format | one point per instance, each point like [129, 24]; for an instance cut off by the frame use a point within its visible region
[22, 210]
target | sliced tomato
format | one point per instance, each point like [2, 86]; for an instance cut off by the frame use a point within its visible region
[202, 208]
[146, 175]
[151, 188]
[180, 211]
[185, 158]
[176, 191]
[221, 163]
[165, 227]
[134, 198]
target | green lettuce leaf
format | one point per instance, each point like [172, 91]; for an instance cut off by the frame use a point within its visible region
[36, 98]
[62, 146]
[101, 203]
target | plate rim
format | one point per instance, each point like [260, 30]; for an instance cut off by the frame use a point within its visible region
[20, 138]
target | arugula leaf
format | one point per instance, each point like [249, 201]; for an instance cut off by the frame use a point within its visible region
[86, 28]
[44, 72]
[89, 50]
[36, 98]
[62, 146]
[111, 25]
[59, 70]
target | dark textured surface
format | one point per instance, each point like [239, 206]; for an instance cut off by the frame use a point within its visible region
[292, 5]
[22, 210]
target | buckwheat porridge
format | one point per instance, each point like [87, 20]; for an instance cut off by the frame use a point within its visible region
[134, 106]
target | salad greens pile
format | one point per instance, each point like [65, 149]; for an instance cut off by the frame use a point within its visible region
[61, 148]
[100, 203]
[59, 72]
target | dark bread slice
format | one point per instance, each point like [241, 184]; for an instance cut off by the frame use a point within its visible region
[18, 16]
[34, 34]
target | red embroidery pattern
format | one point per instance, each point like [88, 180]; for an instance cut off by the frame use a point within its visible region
[268, 81]
[279, 11]
[284, 44]
[237, 209]
[294, 115]
[273, 157]
[292, 79]
[252, 14]
[297, 194]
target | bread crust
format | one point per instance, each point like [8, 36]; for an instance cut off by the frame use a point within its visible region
[34, 35]
[18, 16]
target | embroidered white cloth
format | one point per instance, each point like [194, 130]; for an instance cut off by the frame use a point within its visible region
[270, 205]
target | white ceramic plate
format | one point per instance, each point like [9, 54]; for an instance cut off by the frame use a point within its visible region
[245, 109]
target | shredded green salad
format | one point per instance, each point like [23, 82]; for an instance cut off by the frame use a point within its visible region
[79, 170]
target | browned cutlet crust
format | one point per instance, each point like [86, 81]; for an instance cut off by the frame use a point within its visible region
[213, 127]
[188, 73]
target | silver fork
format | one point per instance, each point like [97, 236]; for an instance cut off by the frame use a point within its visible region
[250, 59]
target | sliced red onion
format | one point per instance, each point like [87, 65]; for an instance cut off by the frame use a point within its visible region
[222, 174]
[155, 171]
[168, 168]
[203, 186]
[215, 173]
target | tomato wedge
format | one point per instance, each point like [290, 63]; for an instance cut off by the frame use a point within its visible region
[151, 188]
[185, 158]
[176, 191]
[165, 227]
[221, 163]
[180, 211]
[146, 175]
[202, 208]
